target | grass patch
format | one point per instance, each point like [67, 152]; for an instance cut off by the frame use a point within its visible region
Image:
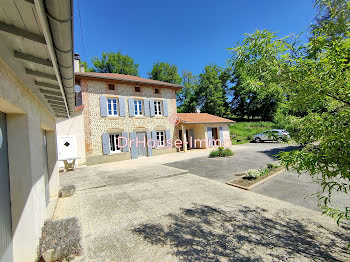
[243, 132]
[220, 152]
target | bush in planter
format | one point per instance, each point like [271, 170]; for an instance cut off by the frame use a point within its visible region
[214, 153]
[272, 166]
[227, 152]
[253, 174]
[221, 152]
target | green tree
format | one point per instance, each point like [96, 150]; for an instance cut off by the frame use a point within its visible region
[250, 103]
[186, 97]
[115, 63]
[165, 72]
[316, 94]
[210, 91]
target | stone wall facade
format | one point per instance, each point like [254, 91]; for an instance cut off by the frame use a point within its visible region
[95, 125]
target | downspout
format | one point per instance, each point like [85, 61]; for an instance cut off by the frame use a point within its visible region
[57, 19]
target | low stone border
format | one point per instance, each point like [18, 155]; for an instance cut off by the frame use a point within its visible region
[231, 182]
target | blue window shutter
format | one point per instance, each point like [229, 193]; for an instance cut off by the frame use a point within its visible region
[149, 149]
[189, 139]
[125, 149]
[154, 137]
[151, 105]
[165, 108]
[221, 135]
[210, 136]
[121, 106]
[105, 144]
[131, 106]
[133, 148]
[146, 106]
[103, 106]
[167, 136]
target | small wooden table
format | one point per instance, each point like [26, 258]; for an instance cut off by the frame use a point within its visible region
[69, 163]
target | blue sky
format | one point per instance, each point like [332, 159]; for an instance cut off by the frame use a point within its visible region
[188, 33]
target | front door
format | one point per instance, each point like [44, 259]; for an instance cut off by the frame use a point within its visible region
[5, 200]
[142, 149]
[215, 133]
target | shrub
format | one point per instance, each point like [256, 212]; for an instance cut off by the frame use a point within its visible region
[264, 171]
[253, 173]
[227, 152]
[221, 152]
[272, 166]
[214, 153]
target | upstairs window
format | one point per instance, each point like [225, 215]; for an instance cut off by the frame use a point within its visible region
[137, 89]
[157, 108]
[160, 138]
[112, 106]
[113, 143]
[111, 87]
[156, 91]
[138, 107]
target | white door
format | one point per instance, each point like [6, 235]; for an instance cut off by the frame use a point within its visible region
[67, 147]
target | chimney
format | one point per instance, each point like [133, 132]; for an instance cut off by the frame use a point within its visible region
[82, 68]
[76, 63]
[198, 110]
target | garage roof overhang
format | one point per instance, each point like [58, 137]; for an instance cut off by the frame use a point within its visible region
[37, 37]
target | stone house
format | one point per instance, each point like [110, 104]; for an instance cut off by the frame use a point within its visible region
[115, 109]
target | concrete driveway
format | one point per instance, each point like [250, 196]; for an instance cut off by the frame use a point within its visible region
[146, 210]
[247, 156]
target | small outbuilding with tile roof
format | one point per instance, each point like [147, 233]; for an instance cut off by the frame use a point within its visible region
[202, 130]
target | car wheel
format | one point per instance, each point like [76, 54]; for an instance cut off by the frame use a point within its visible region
[257, 140]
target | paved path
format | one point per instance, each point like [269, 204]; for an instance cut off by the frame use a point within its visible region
[247, 156]
[149, 211]
[299, 190]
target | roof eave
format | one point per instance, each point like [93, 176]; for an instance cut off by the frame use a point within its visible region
[82, 75]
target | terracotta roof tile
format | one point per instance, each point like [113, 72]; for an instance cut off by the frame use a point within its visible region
[134, 79]
[194, 118]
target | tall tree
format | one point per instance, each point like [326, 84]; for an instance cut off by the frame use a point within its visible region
[165, 72]
[115, 63]
[317, 85]
[186, 97]
[210, 91]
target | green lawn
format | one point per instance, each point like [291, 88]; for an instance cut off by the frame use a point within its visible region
[241, 130]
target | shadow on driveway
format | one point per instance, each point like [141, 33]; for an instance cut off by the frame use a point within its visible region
[205, 233]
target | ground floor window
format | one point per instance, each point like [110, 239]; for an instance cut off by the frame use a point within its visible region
[160, 138]
[113, 142]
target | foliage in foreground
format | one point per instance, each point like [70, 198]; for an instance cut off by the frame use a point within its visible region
[221, 152]
[314, 81]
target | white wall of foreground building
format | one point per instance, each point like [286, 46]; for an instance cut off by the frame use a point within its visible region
[74, 126]
[33, 179]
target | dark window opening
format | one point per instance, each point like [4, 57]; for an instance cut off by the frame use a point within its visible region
[137, 89]
[156, 91]
[111, 87]
[78, 99]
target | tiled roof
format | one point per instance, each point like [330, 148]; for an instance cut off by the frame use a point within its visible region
[127, 78]
[201, 118]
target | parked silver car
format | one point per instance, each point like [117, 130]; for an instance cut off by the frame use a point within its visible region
[272, 135]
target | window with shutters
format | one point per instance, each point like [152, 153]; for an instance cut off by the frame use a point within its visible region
[113, 143]
[158, 108]
[112, 106]
[138, 107]
[160, 138]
